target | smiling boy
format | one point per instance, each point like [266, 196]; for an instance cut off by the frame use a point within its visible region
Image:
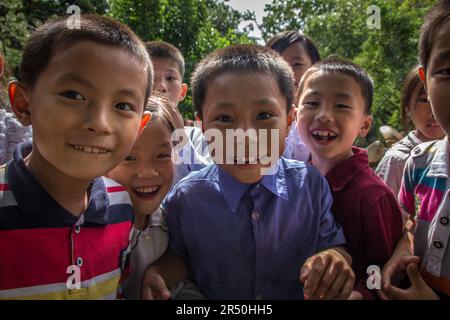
[84, 91]
[244, 234]
[334, 109]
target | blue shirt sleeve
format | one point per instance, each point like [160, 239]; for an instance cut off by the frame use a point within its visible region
[330, 233]
[172, 207]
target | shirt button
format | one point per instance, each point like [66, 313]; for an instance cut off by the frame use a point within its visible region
[444, 221]
[80, 262]
[255, 215]
[437, 244]
[77, 229]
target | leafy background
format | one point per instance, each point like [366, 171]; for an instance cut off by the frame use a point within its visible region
[197, 27]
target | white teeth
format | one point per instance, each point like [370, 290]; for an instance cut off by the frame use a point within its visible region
[90, 149]
[146, 189]
[323, 133]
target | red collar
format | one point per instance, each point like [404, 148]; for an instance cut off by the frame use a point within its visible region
[340, 176]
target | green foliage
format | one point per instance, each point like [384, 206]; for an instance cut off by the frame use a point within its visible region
[19, 18]
[195, 27]
[340, 27]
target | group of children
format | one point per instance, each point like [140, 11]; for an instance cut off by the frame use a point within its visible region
[97, 207]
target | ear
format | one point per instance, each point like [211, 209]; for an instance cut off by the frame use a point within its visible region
[423, 78]
[19, 97]
[291, 116]
[184, 90]
[367, 123]
[198, 119]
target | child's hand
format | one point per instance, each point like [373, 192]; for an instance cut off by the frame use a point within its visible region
[154, 287]
[327, 275]
[419, 290]
[393, 272]
[355, 295]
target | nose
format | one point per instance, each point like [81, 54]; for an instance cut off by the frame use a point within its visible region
[324, 114]
[160, 85]
[147, 169]
[97, 118]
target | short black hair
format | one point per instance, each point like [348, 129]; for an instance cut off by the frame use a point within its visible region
[437, 16]
[241, 59]
[281, 41]
[159, 106]
[54, 36]
[162, 49]
[348, 68]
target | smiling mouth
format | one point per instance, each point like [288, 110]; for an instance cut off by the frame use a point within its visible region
[90, 149]
[323, 135]
[146, 192]
[433, 125]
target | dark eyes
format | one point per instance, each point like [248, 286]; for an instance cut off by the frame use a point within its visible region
[129, 158]
[164, 156]
[422, 100]
[171, 78]
[124, 106]
[311, 104]
[445, 72]
[342, 106]
[263, 116]
[73, 95]
[224, 118]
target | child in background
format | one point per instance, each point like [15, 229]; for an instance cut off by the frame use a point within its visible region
[64, 230]
[334, 109]
[11, 130]
[425, 191]
[243, 233]
[415, 105]
[191, 154]
[301, 53]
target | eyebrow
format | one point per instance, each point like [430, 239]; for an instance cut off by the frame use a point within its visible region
[338, 95]
[70, 77]
[165, 144]
[442, 56]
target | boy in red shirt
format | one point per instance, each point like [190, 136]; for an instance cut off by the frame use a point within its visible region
[334, 107]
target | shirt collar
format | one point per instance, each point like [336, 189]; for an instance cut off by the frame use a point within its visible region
[234, 190]
[340, 176]
[38, 207]
[439, 166]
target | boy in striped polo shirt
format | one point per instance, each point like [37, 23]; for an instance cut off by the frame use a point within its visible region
[424, 250]
[64, 232]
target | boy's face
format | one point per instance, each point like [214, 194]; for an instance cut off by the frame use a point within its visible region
[331, 115]
[168, 80]
[85, 109]
[246, 101]
[147, 171]
[438, 77]
[298, 59]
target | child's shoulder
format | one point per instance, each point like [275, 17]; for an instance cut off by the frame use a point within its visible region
[300, 173]
[424, 153]
[206, 175]
[117, 194]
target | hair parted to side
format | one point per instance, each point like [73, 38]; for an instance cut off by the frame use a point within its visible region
[159, 106]
[438, 15]
[281, 41]
[54, 36]
[241, 59]
[411, 83]
[162, 49]
[348, 68]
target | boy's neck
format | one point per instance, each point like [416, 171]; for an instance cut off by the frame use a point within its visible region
[325, 165]
[71, 193]
[141, 221]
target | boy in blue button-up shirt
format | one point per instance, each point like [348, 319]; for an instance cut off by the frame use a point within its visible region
[246, 225]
